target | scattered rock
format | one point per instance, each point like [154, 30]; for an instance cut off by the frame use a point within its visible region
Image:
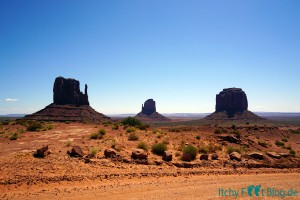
[286, 155]
[42, 152]
[235, 156]
[256, 155]
[139, 154]
[167, 156]
[109, 153]
[229, 138]
[214, 156]
[273, 154]
[186, 157]
[204, 157]
[76, 152]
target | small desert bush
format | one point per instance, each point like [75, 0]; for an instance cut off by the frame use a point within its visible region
[14, 136]
[224, 131]
[204, 150]
[159, 148]
[5, 122]
[34, 126]
[293, 152]
[144, 127]
[233, 149]
[279, 143]
[142, 145]
[133, 137]
[67, 122]
[237, 133]
[94, 136]
[295, 131]
[191, 150]
[131, 121]
[177, 130]
[198, 137]
[262, 143]
[115, 127]
[289, 147]
[93, 151]
[113, 144]
[102, 131]
[130, 130]
[68, 143]
[284, 139]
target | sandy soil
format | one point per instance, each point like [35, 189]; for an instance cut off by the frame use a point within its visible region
[59, 176]
[183, 187]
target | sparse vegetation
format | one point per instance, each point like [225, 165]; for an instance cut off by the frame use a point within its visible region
[102, 131]
[93, 151]
[177, 130]
[130, 130]
[279, 143]
[68, 143]
[159, 148]
[191, 150]
[34, 126]
[14, 136]
[142, 145]
[94, 136]
[262, 143]
[233, 149]
[295, 131]
[115, 127]
[198, 137]
[284, 139]
[133, 137]
[131, 121]
[204, 150]
[293, 152]
[113, 144]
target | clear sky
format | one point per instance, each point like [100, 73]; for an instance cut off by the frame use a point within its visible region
[181, 53]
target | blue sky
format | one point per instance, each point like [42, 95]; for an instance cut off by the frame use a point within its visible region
[181, 53]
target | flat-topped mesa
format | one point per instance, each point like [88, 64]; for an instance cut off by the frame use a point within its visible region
[149, 107]
[231, 100]
[67, 91]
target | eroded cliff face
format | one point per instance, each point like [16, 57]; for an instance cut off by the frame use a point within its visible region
[67, 91]
[231, 100]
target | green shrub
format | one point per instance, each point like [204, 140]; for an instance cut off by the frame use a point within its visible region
[5, 122]
[94, 136]
[262, 143]
[159, 148]
[102, 131]
[144, 127]
[295, 131]
[177, 130]
[204, 150]
[142, 145]
[14, 136]
[130, 130]
[133, 137]
[198, 137]
[293, 152]
[113, 144]
[284, 139]
[131, 121]
[115, 127]
[232, 149]
[69, 143]
[93, 151]
[191, 150]
[289, 147]
[279, 143]
[34, 126]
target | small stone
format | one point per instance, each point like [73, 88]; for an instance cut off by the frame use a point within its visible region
[235, 156]
[204, 157]
[167, 156]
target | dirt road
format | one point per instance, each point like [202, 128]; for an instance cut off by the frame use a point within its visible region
[192, 187]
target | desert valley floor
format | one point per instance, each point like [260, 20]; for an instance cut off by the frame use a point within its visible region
[275, 162]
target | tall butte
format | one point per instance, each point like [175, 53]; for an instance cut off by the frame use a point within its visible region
[232, 103]
[69, 104]
[149, 113]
